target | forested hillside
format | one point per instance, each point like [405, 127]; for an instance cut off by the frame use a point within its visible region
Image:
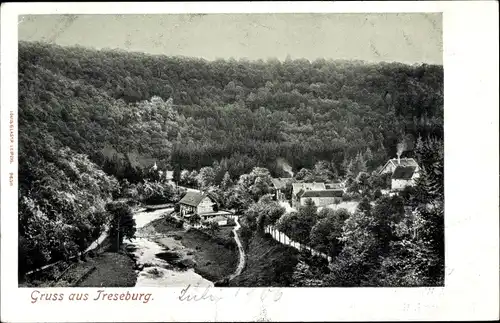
[249, 113]
[90, 119]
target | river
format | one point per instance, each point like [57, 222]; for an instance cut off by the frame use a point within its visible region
[157, 272]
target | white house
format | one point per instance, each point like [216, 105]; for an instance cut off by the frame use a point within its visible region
[321, 198]
[196, 203]
[391, 165]
[403, 176]
[299, 188]
[404, 172]
[279, 185]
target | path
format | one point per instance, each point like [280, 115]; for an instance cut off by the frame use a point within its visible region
[241, 262]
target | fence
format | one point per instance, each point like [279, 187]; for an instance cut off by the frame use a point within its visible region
[284, 239]
[98, 246]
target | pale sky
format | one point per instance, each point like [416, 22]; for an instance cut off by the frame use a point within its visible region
[407, 38]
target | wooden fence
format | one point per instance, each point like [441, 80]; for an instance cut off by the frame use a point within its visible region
[284, 239]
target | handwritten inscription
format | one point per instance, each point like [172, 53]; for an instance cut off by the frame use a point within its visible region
[188, 294]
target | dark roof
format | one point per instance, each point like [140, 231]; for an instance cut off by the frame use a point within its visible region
[192, 198]
[404, 172]
[323, 193]
[402, 162]
[405, 162]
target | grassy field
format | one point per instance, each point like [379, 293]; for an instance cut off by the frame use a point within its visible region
[269, 263]
[112, 270]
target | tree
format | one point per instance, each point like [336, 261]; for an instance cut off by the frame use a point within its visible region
[322, 172]
[237, 199]
[298, 225]
[327, 231]
[206, 177]
[213, 227]
[177, 175]
[309, 209]
[122, 223]
[303, 173]
[194, 219]
[368, 157]
[226, 182]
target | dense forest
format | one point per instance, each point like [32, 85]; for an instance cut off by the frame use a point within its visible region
[185, 112]
[90, 121]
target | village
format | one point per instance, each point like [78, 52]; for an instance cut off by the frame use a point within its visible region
[201, 207]
[139, 169]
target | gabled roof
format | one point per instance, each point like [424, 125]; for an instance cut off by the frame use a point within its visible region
[403, 172]
[323, 193]
[280, 183]
[402, 162]
[308, 186]
[193, 198]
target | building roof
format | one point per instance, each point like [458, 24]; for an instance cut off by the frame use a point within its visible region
[169, 174]
[307, 187]
[193, 198]
[334, 186]
[280, 183]
[402, 162]
[403, 172]
[323, 193]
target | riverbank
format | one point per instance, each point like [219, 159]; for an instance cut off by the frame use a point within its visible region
[213, 256]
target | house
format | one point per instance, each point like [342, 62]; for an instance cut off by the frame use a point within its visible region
[200, 203]
[299, 188]
[196, 203]
[404, 172]
[279, 185]
[169, 175]
[391, 165]
[322, 197]
[403, 176]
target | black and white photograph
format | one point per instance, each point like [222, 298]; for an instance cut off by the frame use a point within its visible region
[186, 162]
[231, 158]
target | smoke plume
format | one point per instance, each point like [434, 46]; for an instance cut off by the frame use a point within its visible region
[401, 148]
[285, 166]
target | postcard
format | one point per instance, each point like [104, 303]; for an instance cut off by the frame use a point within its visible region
[249, 161]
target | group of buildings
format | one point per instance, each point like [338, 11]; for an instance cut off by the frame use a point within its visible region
[321, 194]
[403, 172]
